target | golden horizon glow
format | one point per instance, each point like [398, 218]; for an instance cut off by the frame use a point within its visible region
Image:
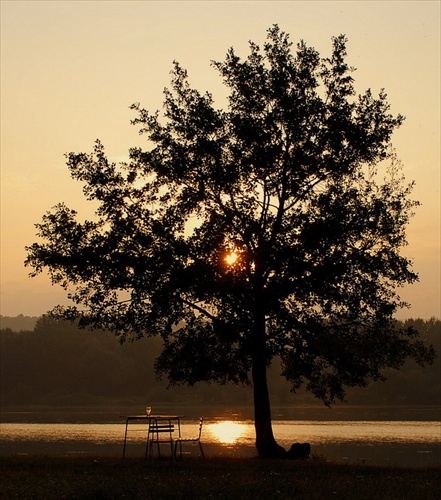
[227, 432]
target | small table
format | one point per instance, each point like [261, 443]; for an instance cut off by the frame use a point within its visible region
[160, 429]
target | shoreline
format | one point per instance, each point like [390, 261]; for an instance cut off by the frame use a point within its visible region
[40, 438]
[385, 455]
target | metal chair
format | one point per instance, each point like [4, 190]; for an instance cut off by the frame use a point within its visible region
[160, 431]
[196, 440]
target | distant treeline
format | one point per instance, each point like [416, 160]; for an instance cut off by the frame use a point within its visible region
[18, 323]
[55, 363]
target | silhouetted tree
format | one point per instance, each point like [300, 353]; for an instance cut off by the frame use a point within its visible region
[264, 230]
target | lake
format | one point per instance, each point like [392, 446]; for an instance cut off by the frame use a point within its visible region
[374, 440]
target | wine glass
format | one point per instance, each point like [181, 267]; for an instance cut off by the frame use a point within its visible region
[148, 410]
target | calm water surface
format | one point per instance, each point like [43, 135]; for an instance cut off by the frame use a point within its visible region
[408, 443]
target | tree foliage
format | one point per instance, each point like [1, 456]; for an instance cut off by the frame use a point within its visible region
[297, 178]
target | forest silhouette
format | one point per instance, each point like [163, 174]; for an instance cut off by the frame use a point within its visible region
[57, 364]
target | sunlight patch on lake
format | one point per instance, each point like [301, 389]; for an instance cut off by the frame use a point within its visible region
[227, 432]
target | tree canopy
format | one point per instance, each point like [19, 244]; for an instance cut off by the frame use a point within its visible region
[271, 229]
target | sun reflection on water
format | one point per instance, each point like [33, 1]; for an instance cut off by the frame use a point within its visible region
[227, 432]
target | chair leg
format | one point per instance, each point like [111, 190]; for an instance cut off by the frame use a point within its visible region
[202, 451]
[125, 442]
[150, 450]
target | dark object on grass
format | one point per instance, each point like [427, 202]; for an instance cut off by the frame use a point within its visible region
[299, 451]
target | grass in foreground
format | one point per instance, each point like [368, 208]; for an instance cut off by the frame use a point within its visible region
[42, 477]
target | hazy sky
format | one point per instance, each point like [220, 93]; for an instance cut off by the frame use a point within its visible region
[71, 69]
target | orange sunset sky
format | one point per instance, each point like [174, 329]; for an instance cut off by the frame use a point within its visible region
[71, 69]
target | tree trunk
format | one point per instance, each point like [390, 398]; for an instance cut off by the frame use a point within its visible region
[266, 445]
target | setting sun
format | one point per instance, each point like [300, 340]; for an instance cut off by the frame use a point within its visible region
[231, 258]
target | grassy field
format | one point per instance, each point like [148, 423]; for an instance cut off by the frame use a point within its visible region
[43, 477]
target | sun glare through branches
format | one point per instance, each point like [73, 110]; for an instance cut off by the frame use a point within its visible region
[231, 258]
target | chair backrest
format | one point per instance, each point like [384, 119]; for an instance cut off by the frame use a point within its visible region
[162, 427]
[159, 427]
